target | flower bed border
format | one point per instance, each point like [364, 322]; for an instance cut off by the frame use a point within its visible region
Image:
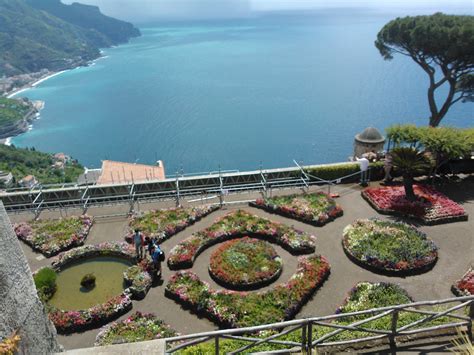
[91, 321]
[428, 222]
[273, 209]
[164, 234]
[290, 312]
[71, 244]
[225, 236]
[386, 270]
[460, 292]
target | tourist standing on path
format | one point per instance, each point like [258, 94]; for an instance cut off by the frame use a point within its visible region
[139, 243]
[157, 256]
[364, 168]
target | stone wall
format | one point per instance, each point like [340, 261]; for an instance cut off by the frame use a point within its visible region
[20, 307]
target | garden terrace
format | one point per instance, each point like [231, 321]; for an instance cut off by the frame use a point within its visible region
[316, 208]
[235, 225]
[389, 247]
[454, 242]
[162, 224]
[138, 327]
[52, 236]
[240, 309]
[431, 206]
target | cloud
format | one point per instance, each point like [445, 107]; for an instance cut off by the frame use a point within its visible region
[145, 10]
[148, 10]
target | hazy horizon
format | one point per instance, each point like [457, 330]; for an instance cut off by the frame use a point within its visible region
[148, 10]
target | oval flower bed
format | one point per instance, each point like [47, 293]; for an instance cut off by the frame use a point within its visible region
[137, 278]
[52, 236]
[238, 224]
[314, 208]
[241, 309]
[138, 327]
[245, 263]
[464, 286]
[389, 247]
[162, 224]
[431, 206]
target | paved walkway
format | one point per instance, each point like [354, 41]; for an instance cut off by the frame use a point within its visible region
[455, 242]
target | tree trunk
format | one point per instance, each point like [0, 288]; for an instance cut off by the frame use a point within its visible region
[408, 185]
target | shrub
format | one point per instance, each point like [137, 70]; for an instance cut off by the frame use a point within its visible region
[337, 171]
[45, 282]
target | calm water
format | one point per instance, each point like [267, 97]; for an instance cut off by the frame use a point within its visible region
[109, 283]
[236, 94]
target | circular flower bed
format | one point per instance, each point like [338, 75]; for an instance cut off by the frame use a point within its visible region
[389, 247]
[138, 327]
[136, 277]
[245, 263]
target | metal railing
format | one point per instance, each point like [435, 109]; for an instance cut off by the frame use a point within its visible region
[335, 325]
[220, 184]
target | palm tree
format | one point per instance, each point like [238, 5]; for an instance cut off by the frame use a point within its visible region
[410, 162]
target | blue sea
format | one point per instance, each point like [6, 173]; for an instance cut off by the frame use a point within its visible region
[234, 94]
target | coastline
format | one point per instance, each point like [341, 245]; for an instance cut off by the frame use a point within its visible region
[29, 86]
[10, 95]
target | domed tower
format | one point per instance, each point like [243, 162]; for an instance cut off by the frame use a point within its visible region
[370, 140]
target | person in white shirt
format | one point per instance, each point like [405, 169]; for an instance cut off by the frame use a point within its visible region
[364, 168]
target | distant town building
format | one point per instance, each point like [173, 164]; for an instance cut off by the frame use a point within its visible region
[115, 172]
[28, 181]
[6, 177]
[61, 157]
[369, 141]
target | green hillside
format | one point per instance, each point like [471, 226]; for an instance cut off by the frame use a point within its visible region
[21, 162]
[12, 110]
[32, 39]
[89, 17]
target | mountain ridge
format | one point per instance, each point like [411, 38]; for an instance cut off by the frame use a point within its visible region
[46, 34]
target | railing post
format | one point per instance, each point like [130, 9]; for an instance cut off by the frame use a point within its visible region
[469, 325]
[393, 328]
[303, 339]
[309, 345]
[216, 344]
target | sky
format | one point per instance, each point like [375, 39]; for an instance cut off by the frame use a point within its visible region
[148, 10]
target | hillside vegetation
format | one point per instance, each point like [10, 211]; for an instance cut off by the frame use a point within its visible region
[21, 162]
[12, 110]
[46, 34]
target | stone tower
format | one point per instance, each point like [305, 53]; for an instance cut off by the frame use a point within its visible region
[367, 141]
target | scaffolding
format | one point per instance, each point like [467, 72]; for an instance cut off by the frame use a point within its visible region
[219, 184]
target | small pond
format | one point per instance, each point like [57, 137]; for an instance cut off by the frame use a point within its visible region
[70, 295]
